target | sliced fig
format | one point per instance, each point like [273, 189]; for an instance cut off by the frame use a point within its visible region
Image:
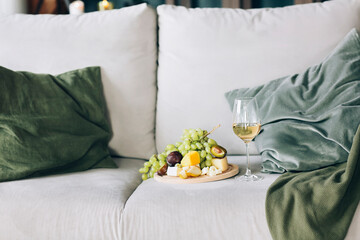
[218, 151]
[162, 171]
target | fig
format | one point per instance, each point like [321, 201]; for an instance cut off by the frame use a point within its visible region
[218, 151]
[173, 158]
[162, 171]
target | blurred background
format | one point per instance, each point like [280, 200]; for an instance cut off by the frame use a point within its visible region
[62, 6]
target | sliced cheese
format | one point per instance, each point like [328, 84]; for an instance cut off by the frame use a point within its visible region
[220, 163]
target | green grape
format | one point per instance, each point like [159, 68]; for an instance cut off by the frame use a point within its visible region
[186, 142]
[203, 154]
[206, 139]
[207, 149]
[212, 142]
[206, 144]
[161, 157]
[178, 144]
[193, 146]
[184, 152]
[152, 159]
[195, 136]
[208, 157]
[202, 165]
[199, 132]
[144, 176]
[151, 174]
[191, 131]
[208, 163]
[187, 147]
[202, 141]
[182, 138]
[143, 170]
[199, 145]
[182, 147]
[156, 165]
[147, 164]
[170, 146]
[185, 132]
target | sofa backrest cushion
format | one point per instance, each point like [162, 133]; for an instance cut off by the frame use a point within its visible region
[204, 53]
[122, 42]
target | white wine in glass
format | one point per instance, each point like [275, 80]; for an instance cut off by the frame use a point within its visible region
[246, 125]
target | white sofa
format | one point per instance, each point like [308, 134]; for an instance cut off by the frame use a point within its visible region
[163, 71]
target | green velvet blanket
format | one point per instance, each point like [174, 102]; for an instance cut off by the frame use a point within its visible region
[309, 119]
[319, 204]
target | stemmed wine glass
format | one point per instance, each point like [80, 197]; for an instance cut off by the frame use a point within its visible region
[246, 125]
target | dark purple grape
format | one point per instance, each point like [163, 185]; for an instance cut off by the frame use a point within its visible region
[173, 158]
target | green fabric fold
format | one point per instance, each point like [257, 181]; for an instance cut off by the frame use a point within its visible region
[315, 205]
[309, 119]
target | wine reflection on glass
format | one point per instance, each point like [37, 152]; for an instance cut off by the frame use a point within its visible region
[246, 125]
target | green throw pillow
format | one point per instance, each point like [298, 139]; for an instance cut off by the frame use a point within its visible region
[309, 119]
[52, 124]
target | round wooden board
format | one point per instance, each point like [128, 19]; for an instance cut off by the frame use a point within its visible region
[231, 171]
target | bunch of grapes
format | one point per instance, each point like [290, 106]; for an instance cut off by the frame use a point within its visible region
[192, 140]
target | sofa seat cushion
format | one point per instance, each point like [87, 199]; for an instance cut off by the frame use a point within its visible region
[223, 209]
[122, 42]
[204, 53]
[226, 209]
[86, 205]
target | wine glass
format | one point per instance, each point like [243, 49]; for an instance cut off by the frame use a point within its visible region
[246, 125]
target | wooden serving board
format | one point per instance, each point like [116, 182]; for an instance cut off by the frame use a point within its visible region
[232, 170]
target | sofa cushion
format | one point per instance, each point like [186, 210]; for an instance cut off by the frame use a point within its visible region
[51, 124]
[86, 205]
[223, 209]
[122, 42]
[226, 209]
[204, 53]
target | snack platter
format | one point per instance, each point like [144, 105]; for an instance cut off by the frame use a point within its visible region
[232, 170]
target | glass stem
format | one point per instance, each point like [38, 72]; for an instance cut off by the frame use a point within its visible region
[248, 171]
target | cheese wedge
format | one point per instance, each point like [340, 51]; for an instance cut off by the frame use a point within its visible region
[220, 163]
[190, 159]
[193, 171]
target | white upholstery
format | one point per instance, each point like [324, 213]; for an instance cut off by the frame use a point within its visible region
[204, 53]
[84, 205]
[225, 209]
[113, 40]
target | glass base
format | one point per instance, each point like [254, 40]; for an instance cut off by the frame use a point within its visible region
[249, 178]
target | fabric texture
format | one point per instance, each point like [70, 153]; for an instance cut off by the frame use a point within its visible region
[315, 205]
[309, 119]
[206, 52]
[226, 209]
[81, 205]
[123, 42]
[52, 124]
[233, 209]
